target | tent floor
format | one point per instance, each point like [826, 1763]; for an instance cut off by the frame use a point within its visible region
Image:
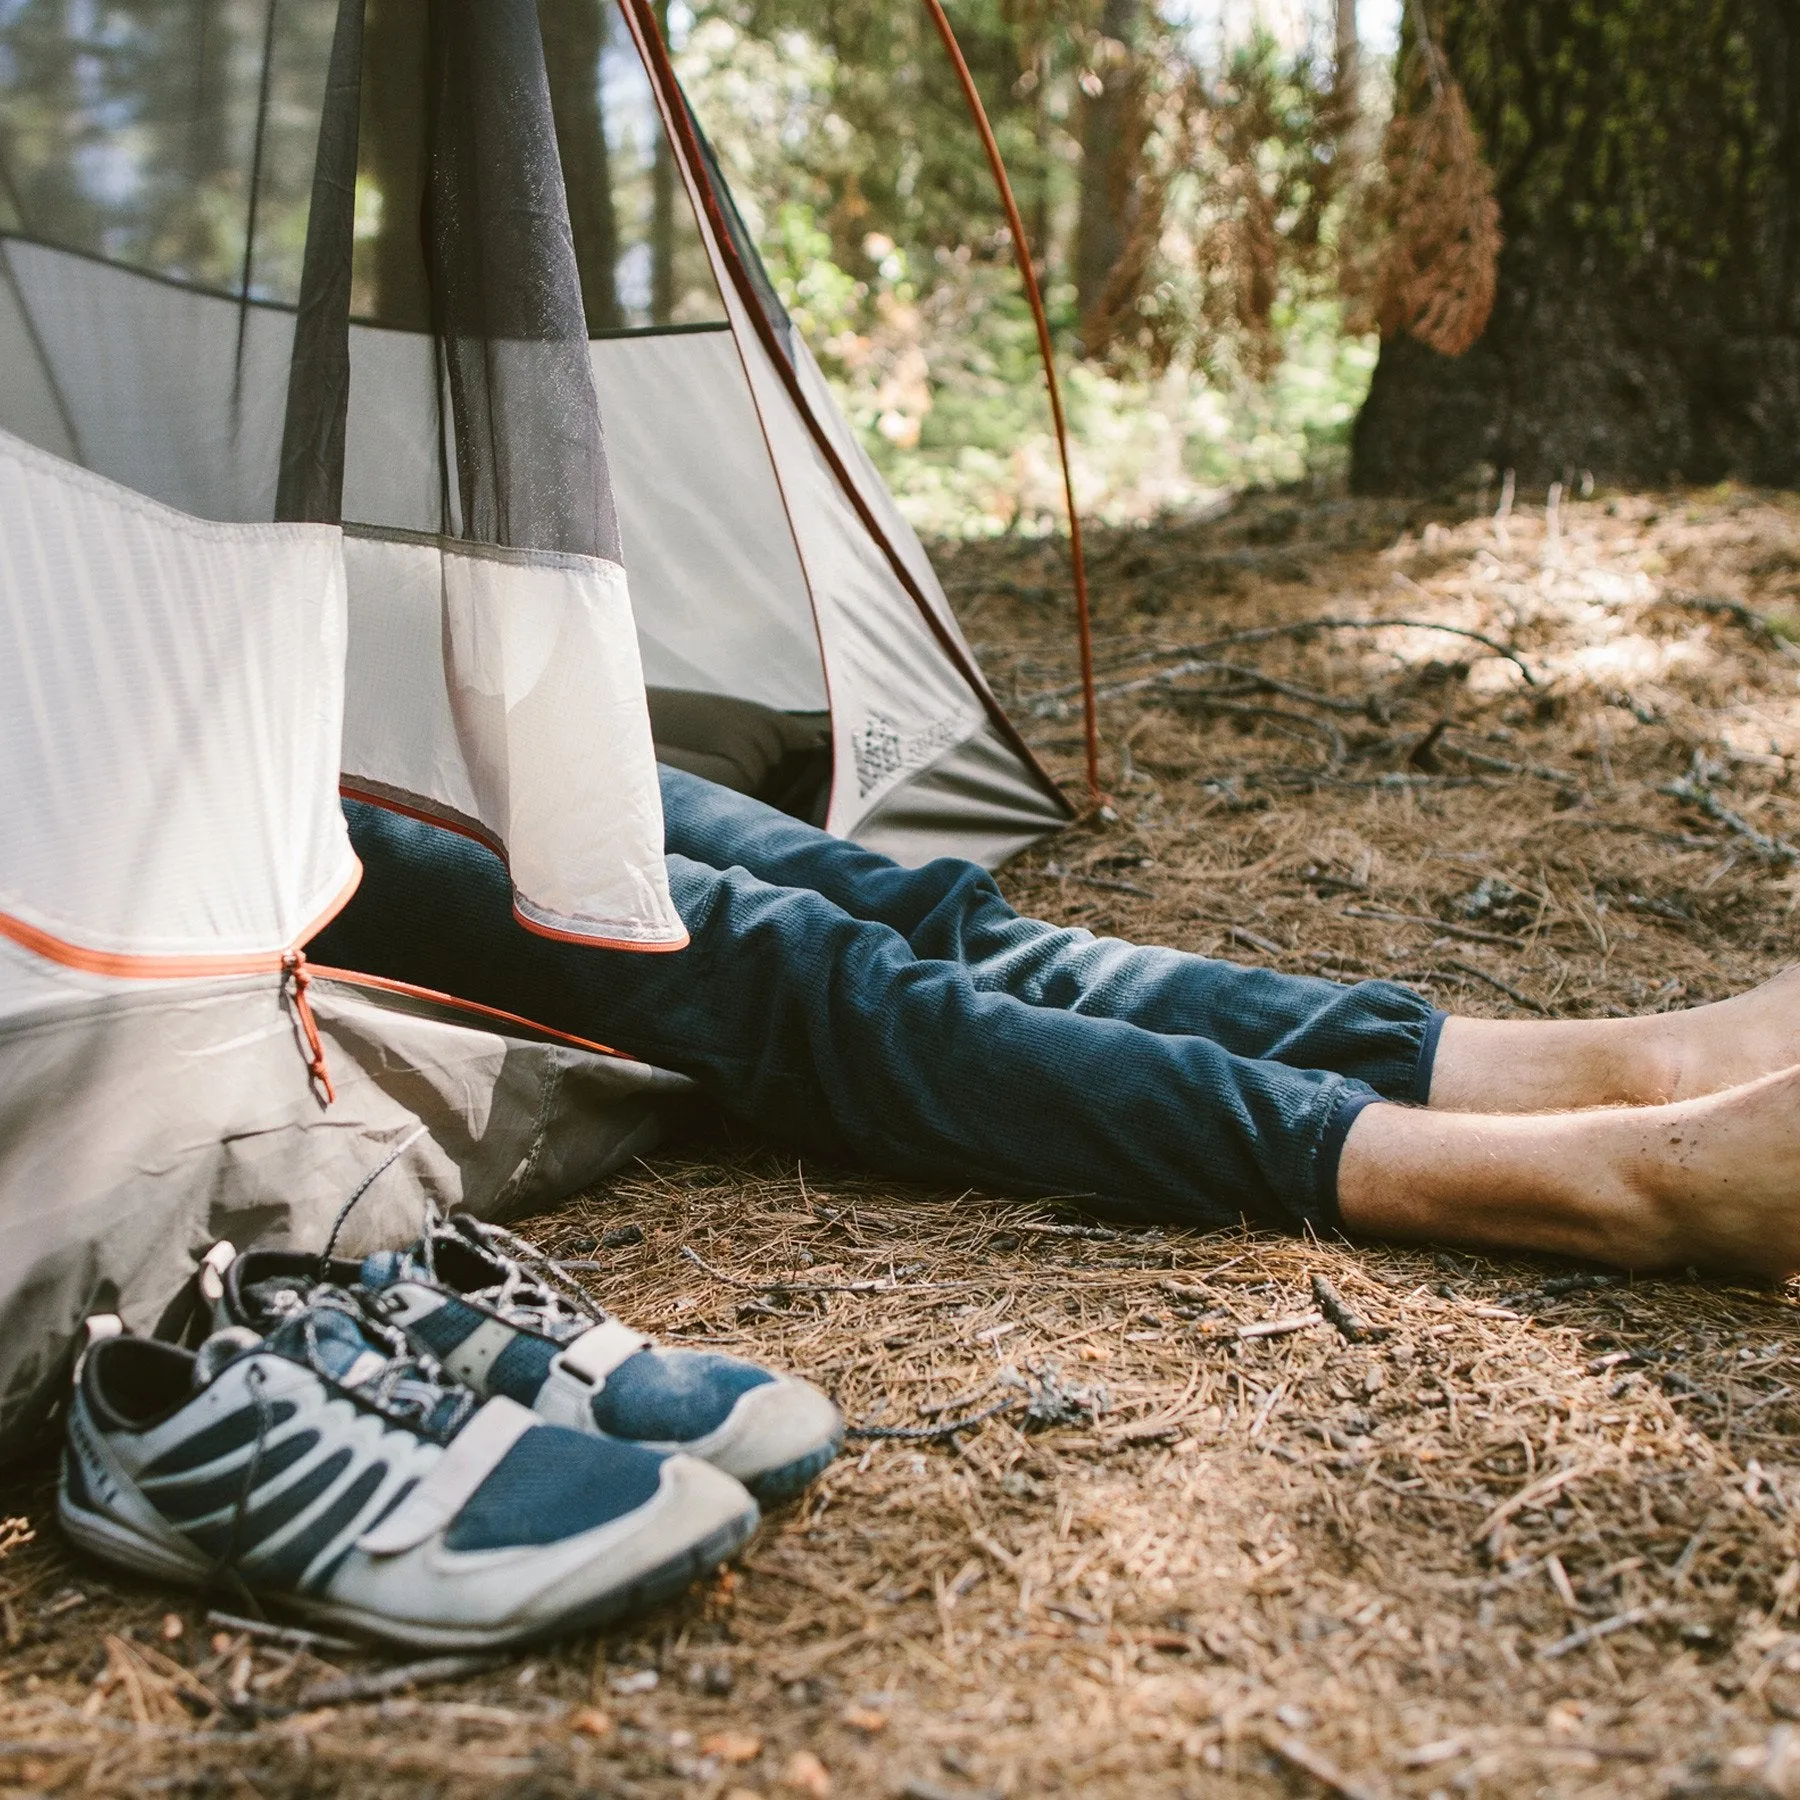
[1262, 1555]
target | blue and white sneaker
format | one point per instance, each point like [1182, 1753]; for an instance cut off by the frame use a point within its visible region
[498, 1316]
[331, 1469]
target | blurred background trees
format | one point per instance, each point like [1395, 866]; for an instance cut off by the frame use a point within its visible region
[1571, 227]
[1557, 236]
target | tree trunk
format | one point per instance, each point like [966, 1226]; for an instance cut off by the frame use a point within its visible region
[574, 38]
[1647, 324]
[1103, 225]
[393, 285]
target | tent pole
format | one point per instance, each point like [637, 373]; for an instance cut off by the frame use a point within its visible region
[1028, 274]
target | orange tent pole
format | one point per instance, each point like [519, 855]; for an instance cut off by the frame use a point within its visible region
[1022, 255]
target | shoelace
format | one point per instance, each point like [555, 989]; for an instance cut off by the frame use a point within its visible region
[535, 1290]
[411, 1387]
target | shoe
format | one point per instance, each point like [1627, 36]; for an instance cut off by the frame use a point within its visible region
[493, 1311]
[329, 1468]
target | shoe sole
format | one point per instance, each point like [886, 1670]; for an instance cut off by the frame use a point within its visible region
[776, 1485]
[125, 1548]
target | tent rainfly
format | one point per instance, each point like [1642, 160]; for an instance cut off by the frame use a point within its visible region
[310, 315]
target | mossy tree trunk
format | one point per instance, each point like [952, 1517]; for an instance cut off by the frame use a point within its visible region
[1647, 324]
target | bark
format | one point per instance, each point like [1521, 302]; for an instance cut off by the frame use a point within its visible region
[393, 284]
[574, 38]
[1103, 225]
[1647, 322]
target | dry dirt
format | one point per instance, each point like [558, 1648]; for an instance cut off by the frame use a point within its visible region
[1532, 1531]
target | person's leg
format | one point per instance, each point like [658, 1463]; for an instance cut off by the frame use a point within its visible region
[1533, 1065]
[953, 911]
[829, 1032]
[1374, 1031]
[1710, 1181]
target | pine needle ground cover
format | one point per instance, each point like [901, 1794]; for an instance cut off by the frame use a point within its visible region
[1146, 1513]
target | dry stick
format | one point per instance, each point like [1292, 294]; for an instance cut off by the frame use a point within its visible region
[1494, 981]
[919, 1434]
[1268, 947]
[1446, 925]
[291, 1635]
[779, 1286]
[1695, 793]
[1334, 1306]
[379, 1683]
[1321, 1768]
[1110, 883]
[1257, 634]
[1589, 1634]
[1267, 1328]
[1757, 624]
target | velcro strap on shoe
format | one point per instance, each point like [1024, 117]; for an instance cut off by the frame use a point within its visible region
[474, 1454]
[596, 1353]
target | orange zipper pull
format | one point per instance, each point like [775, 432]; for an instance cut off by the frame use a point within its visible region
[294, 970]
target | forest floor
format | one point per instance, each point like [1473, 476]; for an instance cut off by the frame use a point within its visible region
[1532, 1529]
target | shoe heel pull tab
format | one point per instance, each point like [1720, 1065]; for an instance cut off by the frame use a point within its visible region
[94, 1329]
[212, 1271]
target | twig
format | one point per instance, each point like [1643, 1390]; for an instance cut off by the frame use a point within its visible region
[1757, 624]
[379, 1683]
[1321, 1768]
[780, 1286]
[291, 1635]
[1696, 793]
[919, 1434]
[1494, 981]
[1239, 934]
[1043, 703]
[1110, 883]
[1267, 1328]
[1333, 1305]
[1589, 1634]
[1445, 925]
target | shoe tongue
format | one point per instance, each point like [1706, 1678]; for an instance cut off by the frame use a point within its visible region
[384, 1268]
[339, 1344]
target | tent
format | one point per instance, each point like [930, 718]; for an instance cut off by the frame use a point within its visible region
[350, 440]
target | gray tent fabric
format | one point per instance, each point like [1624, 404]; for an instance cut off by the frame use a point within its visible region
[142, 1127]
[307, 337]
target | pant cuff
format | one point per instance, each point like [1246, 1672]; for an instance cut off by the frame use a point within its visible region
[1330, 1154]
[1428, 1049]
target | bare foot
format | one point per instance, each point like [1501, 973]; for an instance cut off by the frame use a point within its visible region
[1562, 1065]
[1720, 1177]
[1713, 1181]
[1733, 1041]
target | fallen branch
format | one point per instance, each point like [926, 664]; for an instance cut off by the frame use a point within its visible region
[919, 1434]
[293, 1636]
[1471, 932]
[1268, 1328]
[377, 1684]
[1043, 704]
[1695, 793]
